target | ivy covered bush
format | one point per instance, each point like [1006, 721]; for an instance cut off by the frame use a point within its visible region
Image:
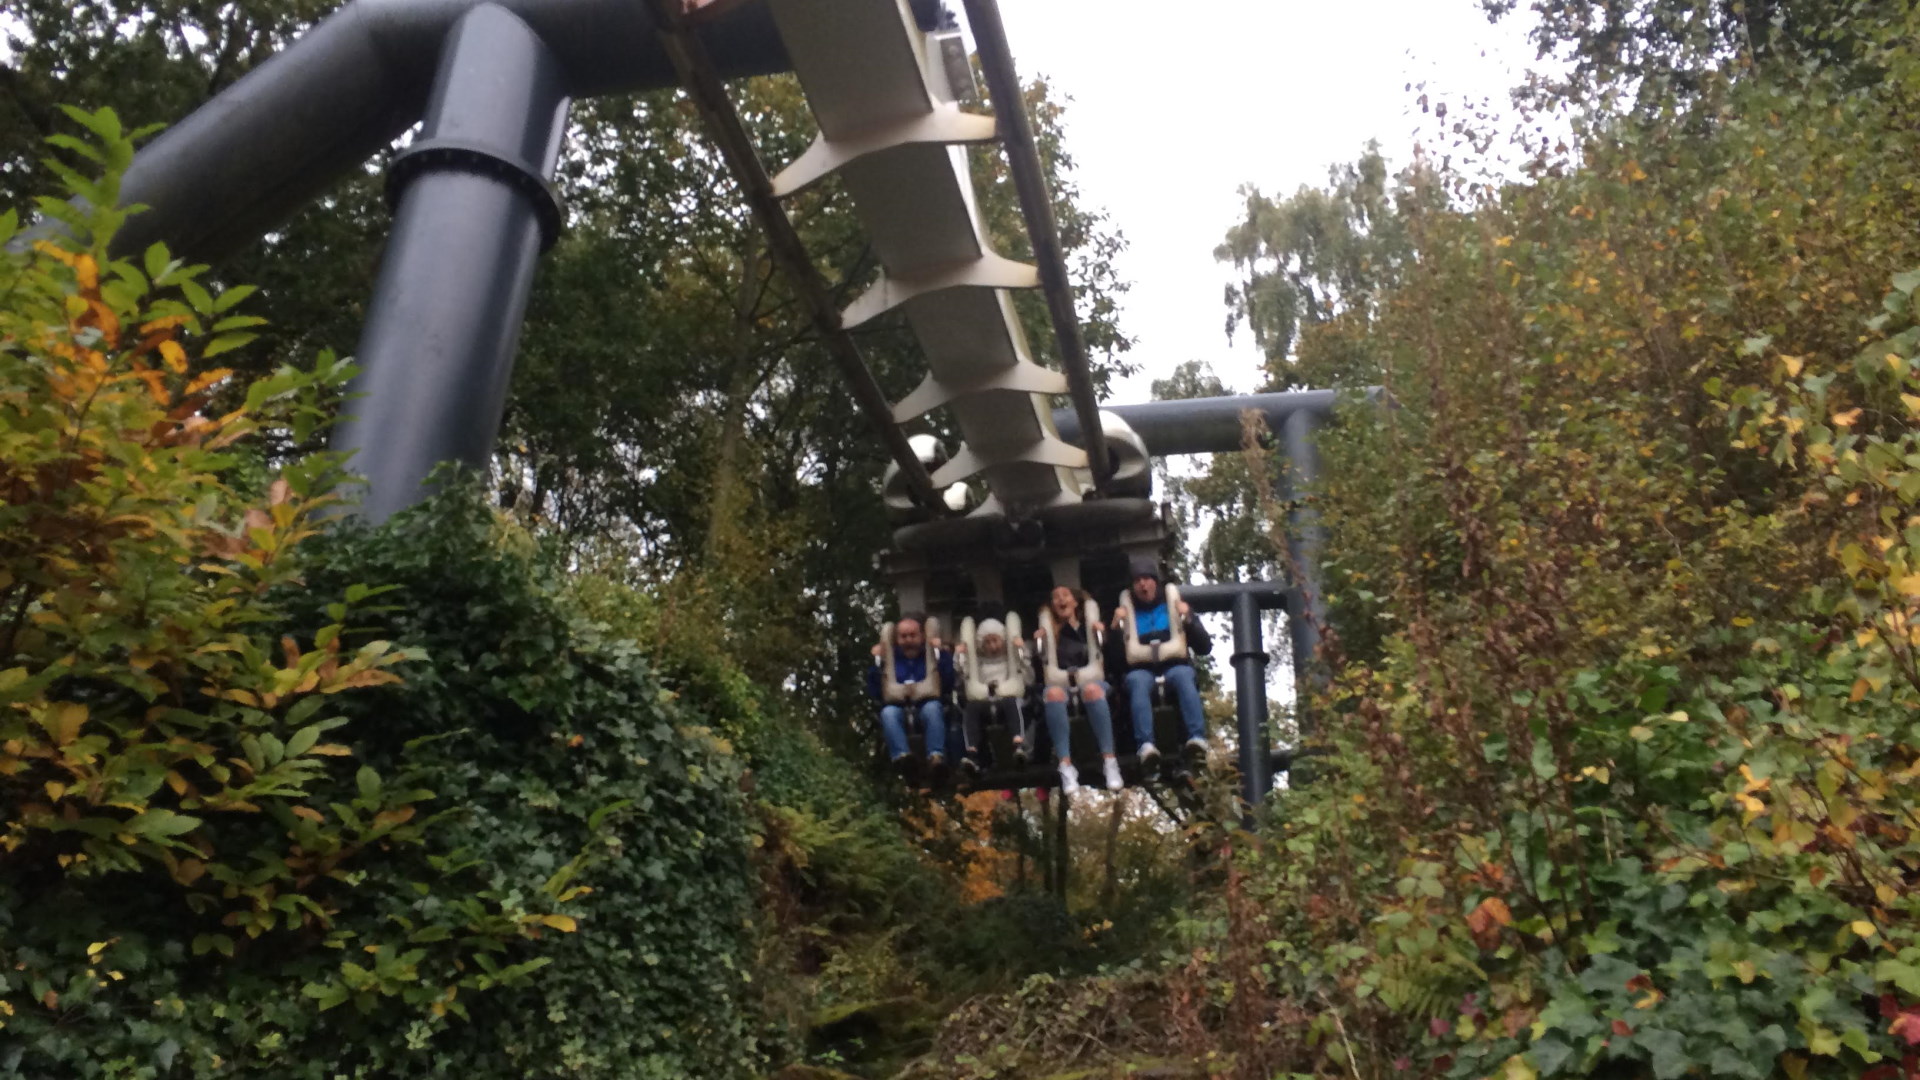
[288, 796]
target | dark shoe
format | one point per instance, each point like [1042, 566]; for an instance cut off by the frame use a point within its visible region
[936, 768]
[969, 768]
[1196, 749]
[1149, 754]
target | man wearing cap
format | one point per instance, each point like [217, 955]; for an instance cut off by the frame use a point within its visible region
[1154, 623]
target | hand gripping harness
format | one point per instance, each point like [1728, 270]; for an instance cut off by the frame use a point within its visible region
[1095, 669]
[1174, 648]
[1014, 684]
[895, 692]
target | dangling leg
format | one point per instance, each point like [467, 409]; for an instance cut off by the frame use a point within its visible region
[1016, 721]
[1140, 704]
[1093, 698]
[1187, 692]
[893, 731]
[934, 717]
[973, 723]
[1054, 703]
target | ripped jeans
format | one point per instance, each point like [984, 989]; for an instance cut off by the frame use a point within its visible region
[1093, 698]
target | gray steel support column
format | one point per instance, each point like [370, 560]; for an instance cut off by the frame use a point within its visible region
[1250, 698]
[1306, 538]
[473, 211]
[293, 126]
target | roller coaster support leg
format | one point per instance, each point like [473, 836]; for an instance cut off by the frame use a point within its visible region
[473, 210]
[1250, 697]
[1306, 601]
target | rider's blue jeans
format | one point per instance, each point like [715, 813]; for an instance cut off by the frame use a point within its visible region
[893, 729]
[1099, 717]
[1186, 693]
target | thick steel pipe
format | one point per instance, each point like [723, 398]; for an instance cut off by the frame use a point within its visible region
[472, 217]
[1206, 425]
[287, 131]
[1223, 596]
[1250, 697]
[1029, 181]
[1306, 538]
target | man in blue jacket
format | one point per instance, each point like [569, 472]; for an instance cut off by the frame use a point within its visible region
[910, 674]
[1155, 624]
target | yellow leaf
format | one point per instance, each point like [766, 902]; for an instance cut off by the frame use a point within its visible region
[1793, 364]
[96, 948]
[205, 379]
[174, 355]
[562, 923]
[1912, 402]
[1846, 419]
[1861, 928]
[1909, 585]
[55, 789]
[65, 721]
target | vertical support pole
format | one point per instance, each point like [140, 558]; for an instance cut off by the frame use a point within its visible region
[1306, 602]
[1250, 698]
[1062, 850]
[473, 210]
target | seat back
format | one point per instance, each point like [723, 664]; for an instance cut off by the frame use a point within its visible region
[1014, 683]
[895, 692]
[1095, 669]
[1174, 648]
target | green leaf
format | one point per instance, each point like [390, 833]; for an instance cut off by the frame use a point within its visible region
[233, 296]
[1667, 1051]
[1543, 762]
[1549, 1054]
[226, 343]
[369, 783]
[1907, 282]
[198, 296]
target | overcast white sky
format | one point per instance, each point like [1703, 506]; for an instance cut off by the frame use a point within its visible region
[1174, 106]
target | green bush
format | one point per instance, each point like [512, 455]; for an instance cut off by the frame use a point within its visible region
[235, 842]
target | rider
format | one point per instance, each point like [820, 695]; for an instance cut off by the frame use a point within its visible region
[994, 664]
[1073, 650]
[910, 648]
[1155, 625]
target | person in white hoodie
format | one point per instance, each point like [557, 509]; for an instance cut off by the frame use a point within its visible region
[993, 663]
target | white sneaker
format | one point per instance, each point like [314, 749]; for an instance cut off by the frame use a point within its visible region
[1069, 778]
[1111, 766]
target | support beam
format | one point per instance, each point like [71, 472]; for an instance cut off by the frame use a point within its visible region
[1306, 538]
[1223, 596]
[1250, 698]
[282, 135]
[1023, 160]
[698, 74]
[473, 211]
[1207, 425]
